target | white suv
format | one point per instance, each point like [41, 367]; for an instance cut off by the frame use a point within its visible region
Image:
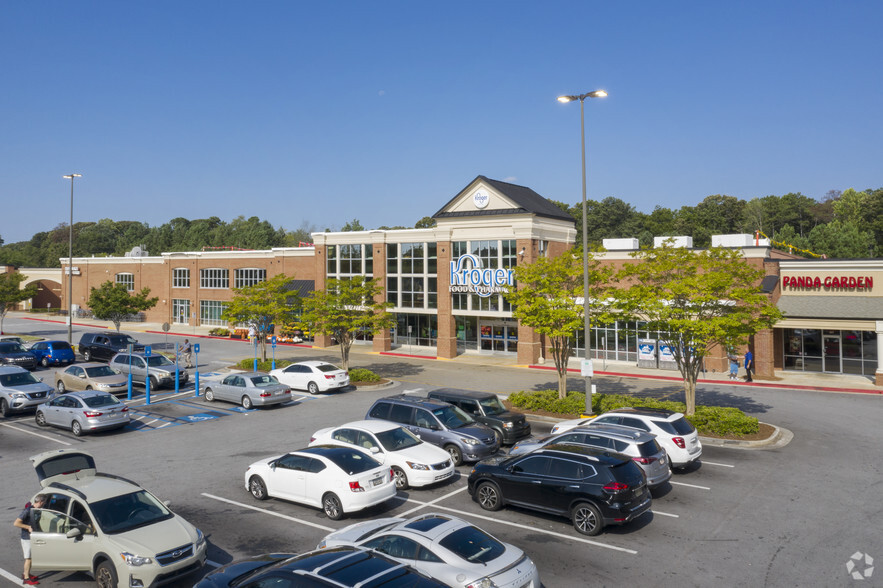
[108, 526]
[673, 431]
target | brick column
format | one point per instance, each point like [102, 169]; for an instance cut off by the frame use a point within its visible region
[447, 325]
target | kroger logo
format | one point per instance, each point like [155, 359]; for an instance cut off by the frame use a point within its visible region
[467, 275]
[480, 199]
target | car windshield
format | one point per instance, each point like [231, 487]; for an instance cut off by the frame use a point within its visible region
[327, 367]
[101, 400]
[473, 545]
[100, 371]
[18, 379]
[11, 347]
[353, 462]
[452, 417]
[264, 381]
[129, 511]
[158, 360]
[122, 341]
[492, 405]
[398, 439]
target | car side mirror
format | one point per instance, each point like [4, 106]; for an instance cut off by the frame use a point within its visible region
[167, 503]
[116, 371]
[73, 533]
[375, 449]
[81, 376]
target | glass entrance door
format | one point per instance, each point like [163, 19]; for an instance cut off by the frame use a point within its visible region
[831, 346]
[498, 336]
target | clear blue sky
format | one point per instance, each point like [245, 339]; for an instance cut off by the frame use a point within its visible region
[324, 112]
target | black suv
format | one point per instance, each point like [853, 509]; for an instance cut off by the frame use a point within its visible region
[105, 345]
[593, 487]
[338, 566]
[12, 353]
[487, 409]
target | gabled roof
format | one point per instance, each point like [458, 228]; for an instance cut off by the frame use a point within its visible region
[526, 202]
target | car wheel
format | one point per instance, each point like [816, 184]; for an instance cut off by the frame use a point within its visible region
[4, 407]
[106, 575]
[332, 507]
[498, 436]
[45, 362]
[313, 388]
[209, 395]
[76, 428]
[587, 519]
[88, 387]
[87, 355]
[257, 488]
[154, 383]
[40, 418]
[489, 497]
[455, 453]
[401, 478]
[247, 403]
[59, 385]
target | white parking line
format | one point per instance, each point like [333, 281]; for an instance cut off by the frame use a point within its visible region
[35, 434]
[526, 527]
[269, 512]
[425, 504]
[214, 564]
[665, 514]
[12, 578]
[723, 465]
[689, 485]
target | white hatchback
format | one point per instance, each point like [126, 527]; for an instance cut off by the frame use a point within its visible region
[313, 376]
[673, 431]
[414, 462]
[338, 480]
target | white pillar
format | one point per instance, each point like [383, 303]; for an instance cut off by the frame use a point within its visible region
[878, 376]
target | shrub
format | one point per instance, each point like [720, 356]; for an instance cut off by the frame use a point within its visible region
[219, 332]
[709, 420]
[263, 366]
[363, 375]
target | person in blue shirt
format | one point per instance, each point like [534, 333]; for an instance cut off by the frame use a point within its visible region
[749, 365]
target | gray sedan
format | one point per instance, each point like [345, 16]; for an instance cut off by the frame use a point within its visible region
[250, 389]
[84, 412]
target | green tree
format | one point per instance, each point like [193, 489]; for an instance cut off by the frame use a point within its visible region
[352, 226]
[549, 299]
[345, 308]
[11, 293]
[267, 303]
[842, 240]
[426, 222]
[112, 302]
[695, 299]
[854, 207]
[787, 239]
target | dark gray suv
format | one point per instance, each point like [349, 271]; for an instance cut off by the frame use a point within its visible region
[159, 368]
[486, 408]
[103, 346]
[439, 423]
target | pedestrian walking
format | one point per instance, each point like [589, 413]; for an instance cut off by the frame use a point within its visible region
[734, 366]
[187, 351]
[749, 365]
[24, 522]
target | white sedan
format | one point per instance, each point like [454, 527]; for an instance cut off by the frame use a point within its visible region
[338, 480]
[414, 462]
[313, 376]
[445, 548]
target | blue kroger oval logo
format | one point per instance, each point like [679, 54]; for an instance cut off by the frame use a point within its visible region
[480, 199]
[468, 276]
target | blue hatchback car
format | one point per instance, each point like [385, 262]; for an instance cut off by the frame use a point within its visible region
[52, 353]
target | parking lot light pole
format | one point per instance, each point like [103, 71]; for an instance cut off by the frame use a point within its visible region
[586, 370]
[70, 265]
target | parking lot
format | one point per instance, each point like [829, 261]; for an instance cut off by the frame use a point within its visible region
[799, 515]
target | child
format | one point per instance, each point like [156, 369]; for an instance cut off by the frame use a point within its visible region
[734, 366]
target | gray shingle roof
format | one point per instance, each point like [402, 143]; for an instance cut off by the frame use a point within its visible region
[527, 201]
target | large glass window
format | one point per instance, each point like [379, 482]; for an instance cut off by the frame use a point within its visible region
[215, 278]
[491, 255]
[248, 277]
[180, 311]
[416, 329]
[411, 278]
[350, 260]
[128, 280]
[181, 277]
[833, 351]
[210, 313]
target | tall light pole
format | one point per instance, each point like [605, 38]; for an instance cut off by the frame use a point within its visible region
[587, 369]
[70, 264]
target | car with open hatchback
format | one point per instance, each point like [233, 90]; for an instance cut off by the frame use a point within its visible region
[109, 527]
[591, 486]
[414, 462]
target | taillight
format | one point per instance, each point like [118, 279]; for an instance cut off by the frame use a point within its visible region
[287, 392]
[91, 414]
[392, 475]
[125, 409]
[327, 377]
[644, 460]
[679, 441]
[356, 487]
[266, 394]
[312, 439]
[616, 487]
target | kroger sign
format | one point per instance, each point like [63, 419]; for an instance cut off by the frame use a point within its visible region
[468, 276]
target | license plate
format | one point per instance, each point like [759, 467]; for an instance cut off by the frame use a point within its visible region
[377, 481]
[443, 476]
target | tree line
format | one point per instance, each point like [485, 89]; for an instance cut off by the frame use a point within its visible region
[840, 225]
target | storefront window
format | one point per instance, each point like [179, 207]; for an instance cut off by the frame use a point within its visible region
[832, 351]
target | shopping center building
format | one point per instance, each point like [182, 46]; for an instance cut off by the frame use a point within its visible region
[446, 283]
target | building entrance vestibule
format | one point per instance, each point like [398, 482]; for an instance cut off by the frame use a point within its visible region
[498, 336]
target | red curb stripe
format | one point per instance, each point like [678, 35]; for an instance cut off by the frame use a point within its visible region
[407, 355]
[28, 318]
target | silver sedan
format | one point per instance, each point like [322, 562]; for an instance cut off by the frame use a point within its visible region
[84, 412]
[250, 389]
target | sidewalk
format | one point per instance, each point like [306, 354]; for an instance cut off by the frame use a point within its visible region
[782, 379]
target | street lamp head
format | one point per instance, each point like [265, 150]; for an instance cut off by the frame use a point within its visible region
[566, 99]
[581, 97]
[598, 94]
[72, 176]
